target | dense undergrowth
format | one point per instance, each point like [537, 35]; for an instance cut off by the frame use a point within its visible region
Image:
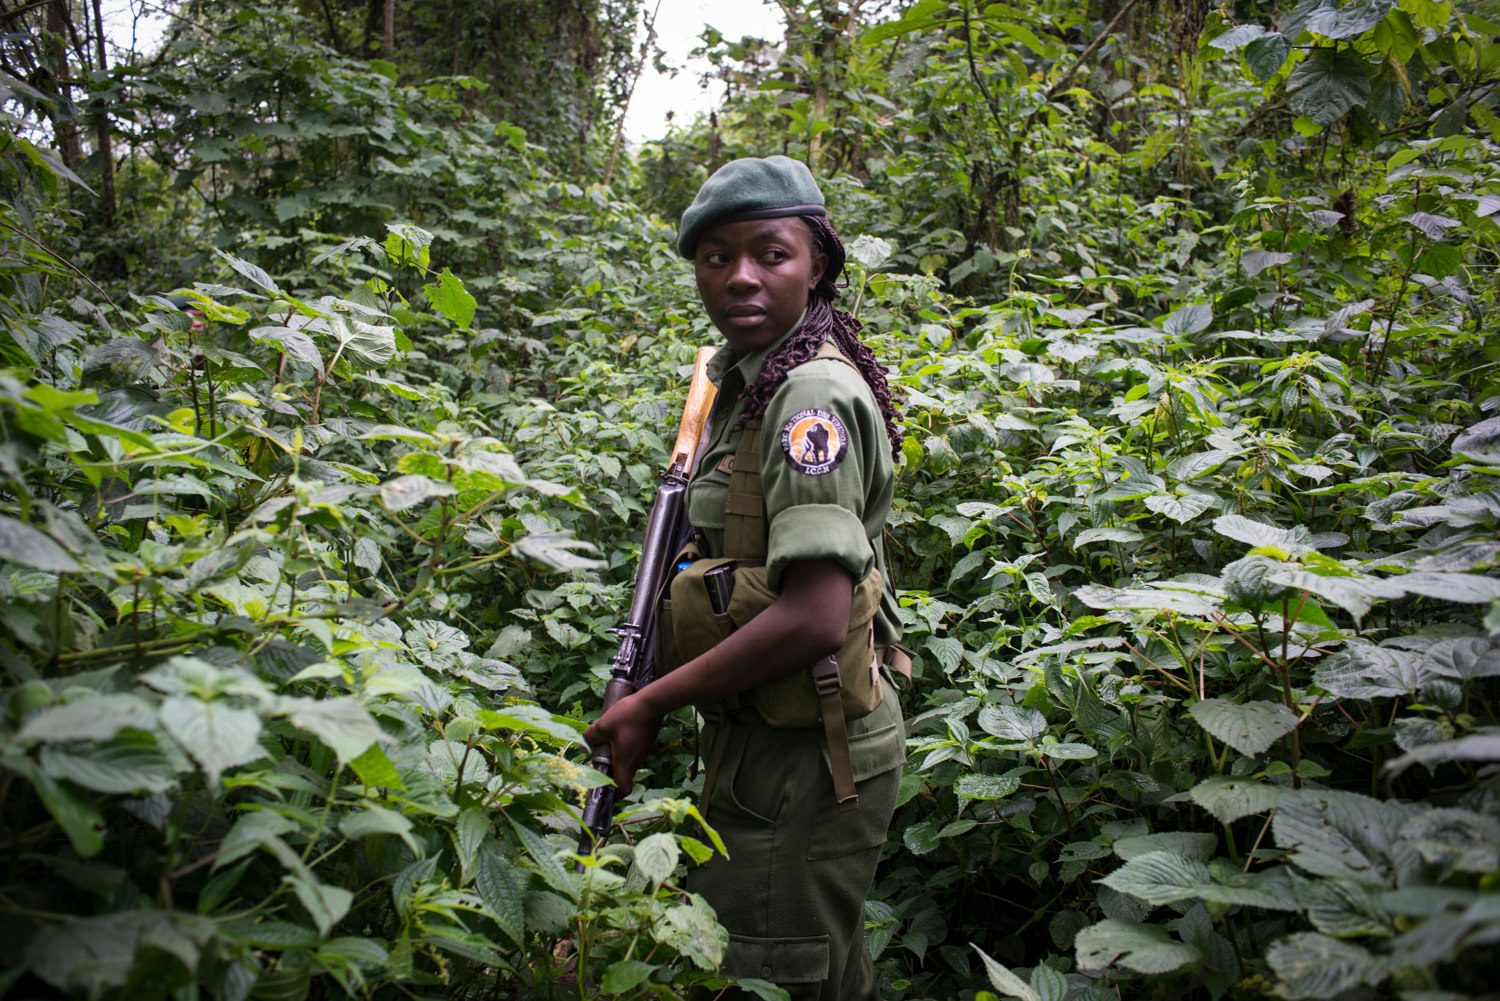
[302, 611]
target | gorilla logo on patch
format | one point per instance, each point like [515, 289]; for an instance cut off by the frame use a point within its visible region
[814, 441]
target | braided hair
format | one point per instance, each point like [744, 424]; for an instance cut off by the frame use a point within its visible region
[823, 322]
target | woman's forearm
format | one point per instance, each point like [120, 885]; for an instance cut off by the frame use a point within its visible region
[808, 622]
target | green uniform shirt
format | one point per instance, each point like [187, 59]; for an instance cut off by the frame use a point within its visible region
[826, 470]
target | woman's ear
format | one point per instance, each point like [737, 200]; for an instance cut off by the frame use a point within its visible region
[820, 265]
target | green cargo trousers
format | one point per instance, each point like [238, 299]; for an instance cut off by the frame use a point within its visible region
[792, 891]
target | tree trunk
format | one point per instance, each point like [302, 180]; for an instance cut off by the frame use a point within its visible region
[102, 134]
[390, 28]
[63, 124]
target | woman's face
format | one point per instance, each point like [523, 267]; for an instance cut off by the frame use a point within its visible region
[754, 278]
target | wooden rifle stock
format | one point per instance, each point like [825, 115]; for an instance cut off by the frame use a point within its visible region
[666, 531]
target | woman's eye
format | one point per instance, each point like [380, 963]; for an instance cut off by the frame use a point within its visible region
[715, 258]
[774, 255]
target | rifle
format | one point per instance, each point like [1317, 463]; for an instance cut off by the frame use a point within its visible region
[666, 532]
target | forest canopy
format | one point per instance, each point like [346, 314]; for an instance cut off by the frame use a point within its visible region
[342, 347]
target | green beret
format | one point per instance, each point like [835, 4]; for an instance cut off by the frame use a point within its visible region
[750, 188]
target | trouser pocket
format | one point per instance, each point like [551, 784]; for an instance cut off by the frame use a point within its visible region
[877, 750]
[779, 960]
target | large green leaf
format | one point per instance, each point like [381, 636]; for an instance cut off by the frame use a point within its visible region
[341, 722]
[1310, 965]
[325, 904]
[693, 930]
[450, 298]
[1003, 980]
[30, 547]
[1354, 18]
[656, 857]
[216, 735]
[1230, 799]
[1258, 533]
[88, 955]
[1142, 948]
[1267, 54]
[497, 888]
[1344, 834]
[1013, 723]
[91, 717]
[1160, 877]
[1328, 85]
[1182, 508]
[127, 763]
[1248, 727]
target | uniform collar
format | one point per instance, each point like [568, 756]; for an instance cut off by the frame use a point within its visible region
[724, 360]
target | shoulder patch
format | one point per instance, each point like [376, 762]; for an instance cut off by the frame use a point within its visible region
[814, 441]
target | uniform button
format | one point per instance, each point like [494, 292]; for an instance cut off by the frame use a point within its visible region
[765, 971]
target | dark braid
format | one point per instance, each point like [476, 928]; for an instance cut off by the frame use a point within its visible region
[824, 322]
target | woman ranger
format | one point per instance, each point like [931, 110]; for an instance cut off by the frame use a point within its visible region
[781, 624]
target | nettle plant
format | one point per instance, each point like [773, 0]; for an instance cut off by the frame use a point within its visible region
[1256, 758]
[250, 740]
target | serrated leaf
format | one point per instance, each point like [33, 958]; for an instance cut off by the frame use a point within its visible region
[497, 888]
[1189, 319]
[1069, 751]
[1267, 54]
[1256, 261]
[624, 975]
[1351, 19]
[656, 857]
[295, 344]
[128, 763]
[1455, 838]
[1344, 834]
[1048, 983]
[1160, 877]
[412, 489]
[217, 736]
[1327, 85]
[469, 833]
[987, 786]
[1193, 844]
[545, 857]
[1230, 799]
[30, 547]
[376, 819]
[1248, 727]
[87, 955]
[325, 904]
[1003, 980]
[1012, 723]
[341, 722]
[449, 297]
[91, 717]
[1366, 671]
[558, 551]
[1107, 535]
[1180, 509]
[1310, 965]
[1255, 533]
[1142, 948]
[1180, 602]
[253, 272]
[1237, 37]
[1343, 908]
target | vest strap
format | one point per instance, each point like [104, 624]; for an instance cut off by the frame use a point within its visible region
[826, 681]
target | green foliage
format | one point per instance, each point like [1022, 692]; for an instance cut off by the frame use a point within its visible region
[302, 611]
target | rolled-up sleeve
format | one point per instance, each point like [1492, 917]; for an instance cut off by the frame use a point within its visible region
[814, 466]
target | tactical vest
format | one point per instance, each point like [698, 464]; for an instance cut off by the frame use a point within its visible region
[710, 597]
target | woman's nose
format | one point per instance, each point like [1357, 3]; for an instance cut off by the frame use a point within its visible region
[742, 273]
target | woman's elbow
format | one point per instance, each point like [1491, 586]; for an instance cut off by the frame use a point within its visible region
[826, 636]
